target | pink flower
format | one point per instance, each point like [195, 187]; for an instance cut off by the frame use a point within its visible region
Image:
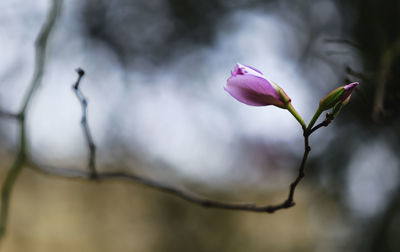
[250, 86]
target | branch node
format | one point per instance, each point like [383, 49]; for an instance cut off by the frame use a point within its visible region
[80, 71]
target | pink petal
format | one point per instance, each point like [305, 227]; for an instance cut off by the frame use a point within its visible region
[348, 89]
[253, 90]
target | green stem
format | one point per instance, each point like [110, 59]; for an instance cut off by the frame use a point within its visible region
[11, 177]
[315, 118]
[40, 52]
[20, 159]
[6, 192]
[8, 184]
[291, 109]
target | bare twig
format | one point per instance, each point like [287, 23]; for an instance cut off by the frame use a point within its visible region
[85, 126]
[176, 191]
[301, 174]
[183, 194]
[91, 173]
[20, 159]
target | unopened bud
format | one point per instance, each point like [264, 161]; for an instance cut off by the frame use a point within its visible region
[340, 97]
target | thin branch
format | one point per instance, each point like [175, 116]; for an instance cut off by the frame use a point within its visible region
[183, 194]
[382, 76]
[335, 53]
[359, 75]
[84, 124]
[40, 52]
[344, 41]
[20, 159]
[7, 188]
[385, 66]
[8, 115]
[301, 174]
[328, 119]
[12, 176]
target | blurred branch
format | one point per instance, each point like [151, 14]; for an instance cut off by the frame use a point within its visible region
[176, 191]
[359, 75]
[7, 114]
[40, 52]
[21, 157]
[344, 41]
[190, 197]
[385, 65]
[9, 181]
[85, 126]
[383, 74]
[335, 53]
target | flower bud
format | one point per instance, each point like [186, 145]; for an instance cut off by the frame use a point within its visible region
[340, 95]
[250, 86]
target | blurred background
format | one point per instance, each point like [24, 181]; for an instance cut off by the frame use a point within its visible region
[155, 72]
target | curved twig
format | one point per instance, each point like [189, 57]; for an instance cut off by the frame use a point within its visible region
[85, 125]
[183, 194]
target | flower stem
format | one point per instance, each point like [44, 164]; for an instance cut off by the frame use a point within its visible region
[315, 118]
[291, 109]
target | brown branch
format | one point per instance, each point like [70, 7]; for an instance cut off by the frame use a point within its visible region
[183, 194]
[301, 174]
[84, 124]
